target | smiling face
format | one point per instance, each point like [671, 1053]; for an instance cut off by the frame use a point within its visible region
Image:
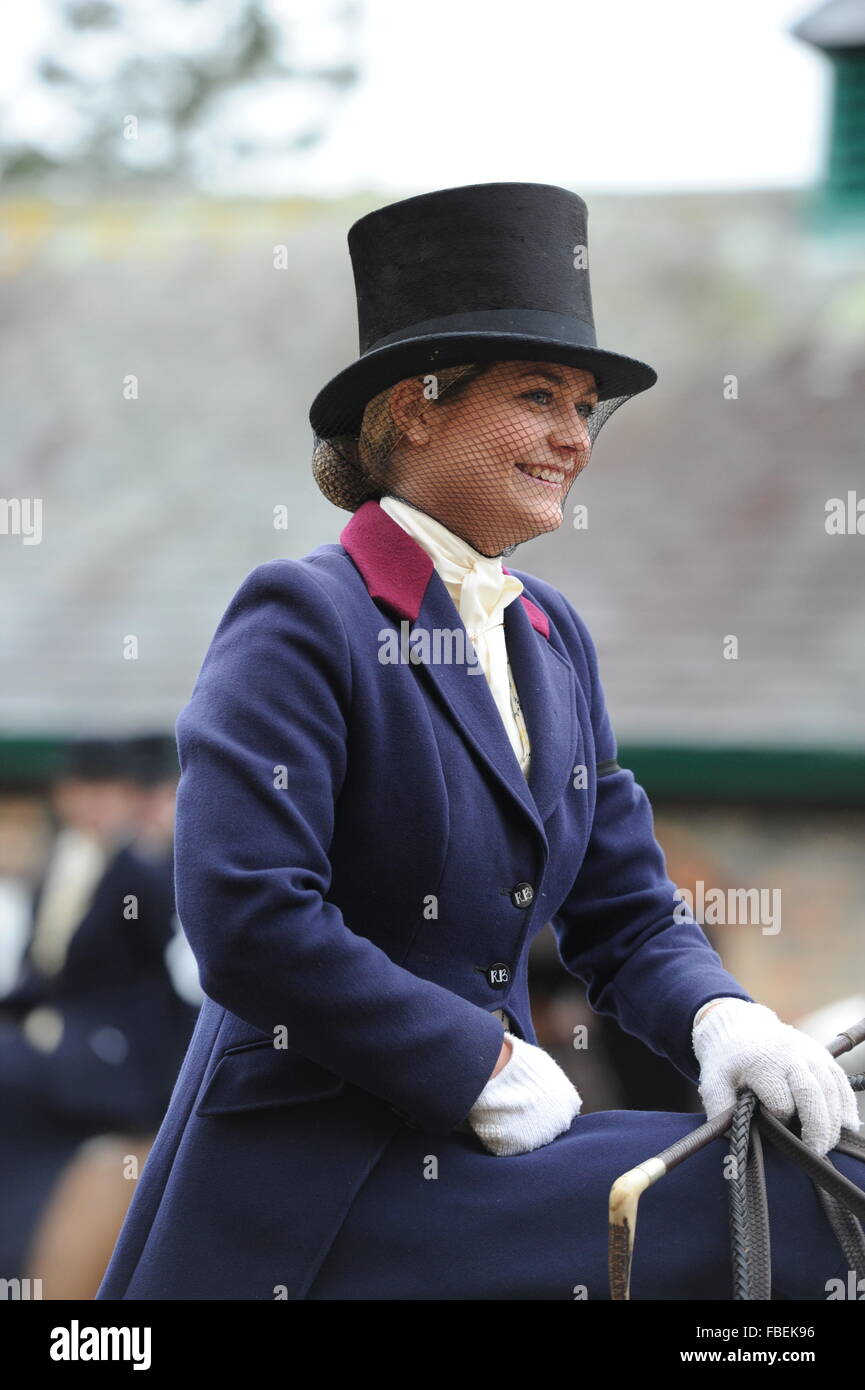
[495, 461]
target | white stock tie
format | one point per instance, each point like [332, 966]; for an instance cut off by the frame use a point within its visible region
[484, 593]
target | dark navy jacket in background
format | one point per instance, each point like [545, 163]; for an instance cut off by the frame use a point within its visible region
[125, 1031]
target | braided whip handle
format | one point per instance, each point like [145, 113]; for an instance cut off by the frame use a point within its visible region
[749, 1212]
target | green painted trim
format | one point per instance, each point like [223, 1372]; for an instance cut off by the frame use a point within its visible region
[28, 762]
[810, 776]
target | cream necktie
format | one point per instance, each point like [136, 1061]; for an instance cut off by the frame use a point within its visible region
[78, 861]
[481, 591]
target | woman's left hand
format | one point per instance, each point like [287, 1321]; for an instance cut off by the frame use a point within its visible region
[739, 1043]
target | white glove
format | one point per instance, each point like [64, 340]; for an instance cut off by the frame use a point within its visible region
[527, 1104]
[739, 1043]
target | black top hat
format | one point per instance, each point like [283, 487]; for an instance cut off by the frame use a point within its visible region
[94, 760]
[485, 272]
[153, 759]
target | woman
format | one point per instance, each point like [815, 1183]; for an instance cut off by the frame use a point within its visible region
[369, 836]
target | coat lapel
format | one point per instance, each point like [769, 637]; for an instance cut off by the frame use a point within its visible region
[546, 685]
[397, 570]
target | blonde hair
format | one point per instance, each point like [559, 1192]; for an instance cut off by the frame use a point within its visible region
[351, 470]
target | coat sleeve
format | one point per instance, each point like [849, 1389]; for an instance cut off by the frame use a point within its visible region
[263, 745]
[617, 931]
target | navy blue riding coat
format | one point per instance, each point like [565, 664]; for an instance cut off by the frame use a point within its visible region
[360, 867]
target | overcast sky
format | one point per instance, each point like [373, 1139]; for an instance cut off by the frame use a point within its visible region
[618, 94]
[595, 94]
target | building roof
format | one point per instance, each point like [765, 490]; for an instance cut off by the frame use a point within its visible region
[837, 24]
[706, 514]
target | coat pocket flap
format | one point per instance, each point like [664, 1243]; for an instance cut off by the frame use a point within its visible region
[257, 1075]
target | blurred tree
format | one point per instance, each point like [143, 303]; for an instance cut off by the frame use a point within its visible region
[218, 94]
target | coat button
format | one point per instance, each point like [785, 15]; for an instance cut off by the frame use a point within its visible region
[498, 975]
[523, 895]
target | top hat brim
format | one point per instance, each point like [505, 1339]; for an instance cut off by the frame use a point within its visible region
[339, 406]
